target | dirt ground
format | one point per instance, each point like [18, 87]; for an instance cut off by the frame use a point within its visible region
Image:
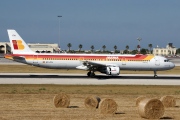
[41, 107]
[23, 104]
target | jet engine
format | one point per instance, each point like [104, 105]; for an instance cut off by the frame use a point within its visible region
[112, 70]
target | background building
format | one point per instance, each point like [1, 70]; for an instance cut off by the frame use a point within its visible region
[5, 47]
[44, 48]
[169, 50]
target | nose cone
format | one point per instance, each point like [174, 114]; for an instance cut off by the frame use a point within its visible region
[172, 65]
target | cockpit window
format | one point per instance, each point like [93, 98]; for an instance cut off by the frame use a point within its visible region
[166, 60]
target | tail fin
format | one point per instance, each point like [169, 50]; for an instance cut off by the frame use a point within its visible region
[18, 45]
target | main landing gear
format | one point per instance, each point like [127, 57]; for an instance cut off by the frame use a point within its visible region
[91, 74]
[155, 74]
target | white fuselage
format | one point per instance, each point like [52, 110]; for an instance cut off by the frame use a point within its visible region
[71, 61]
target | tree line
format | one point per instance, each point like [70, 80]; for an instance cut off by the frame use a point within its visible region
[126, 51]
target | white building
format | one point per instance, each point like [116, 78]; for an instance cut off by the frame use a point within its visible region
[5, 47]
[169, 50]
[48, 48]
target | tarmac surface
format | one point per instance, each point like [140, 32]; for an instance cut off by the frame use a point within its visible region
[81, 79]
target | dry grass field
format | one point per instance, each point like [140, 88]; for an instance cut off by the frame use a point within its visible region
[35, 102]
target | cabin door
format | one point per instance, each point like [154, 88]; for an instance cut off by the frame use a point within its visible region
[123, 61]
[81, 59]
[157, 62]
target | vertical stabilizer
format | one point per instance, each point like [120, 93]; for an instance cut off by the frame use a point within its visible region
[18, 46]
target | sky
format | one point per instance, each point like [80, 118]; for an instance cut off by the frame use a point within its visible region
[93, 22]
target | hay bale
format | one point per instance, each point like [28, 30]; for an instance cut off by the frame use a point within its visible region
[151, 108]
[61, 100]
[92, 102]
[108, 106]
[168, 101]
[138, 100]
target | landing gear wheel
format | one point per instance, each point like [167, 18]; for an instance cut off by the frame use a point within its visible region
[92, 74]
[88, 74]
[155, 76]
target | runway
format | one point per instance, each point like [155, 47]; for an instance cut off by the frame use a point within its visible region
[81, 79]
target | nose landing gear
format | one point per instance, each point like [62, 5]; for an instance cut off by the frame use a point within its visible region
[155, 74]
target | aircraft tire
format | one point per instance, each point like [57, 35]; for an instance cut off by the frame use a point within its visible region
[155, 76]
[92, 74]
[88, 74]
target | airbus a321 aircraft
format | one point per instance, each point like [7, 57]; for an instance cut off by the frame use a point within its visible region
[109, 64]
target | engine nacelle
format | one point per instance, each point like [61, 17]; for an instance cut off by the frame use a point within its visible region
[112, 70]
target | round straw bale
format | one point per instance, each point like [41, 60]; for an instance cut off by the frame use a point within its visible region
[151, 108]
[168, 101]
[92, 102]
[108, 106]
[138, 100]
[61, 100]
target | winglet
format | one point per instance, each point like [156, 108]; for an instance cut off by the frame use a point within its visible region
[18, 45]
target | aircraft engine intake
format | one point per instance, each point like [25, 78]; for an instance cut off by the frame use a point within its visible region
[111, 70]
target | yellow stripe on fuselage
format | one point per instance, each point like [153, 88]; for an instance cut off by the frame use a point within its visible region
[149, 57]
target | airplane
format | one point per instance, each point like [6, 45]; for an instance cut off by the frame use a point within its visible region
[109, 64]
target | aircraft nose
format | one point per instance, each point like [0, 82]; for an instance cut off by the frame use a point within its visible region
[172, 65]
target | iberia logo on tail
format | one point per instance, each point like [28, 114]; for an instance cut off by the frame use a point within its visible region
[18, 45]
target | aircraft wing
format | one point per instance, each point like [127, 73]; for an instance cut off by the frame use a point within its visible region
[88, 65]
[97, 64]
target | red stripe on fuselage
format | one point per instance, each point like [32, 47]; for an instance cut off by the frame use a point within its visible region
[75, 56]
